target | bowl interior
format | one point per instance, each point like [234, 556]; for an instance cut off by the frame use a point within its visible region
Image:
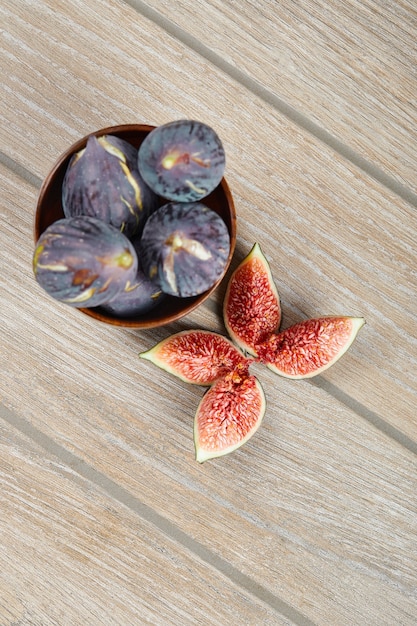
[49, 209]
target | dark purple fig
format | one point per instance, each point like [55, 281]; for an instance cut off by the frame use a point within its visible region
[139, 298]
[184, 248]
[103, 181]
[83, 261]
[182, 160]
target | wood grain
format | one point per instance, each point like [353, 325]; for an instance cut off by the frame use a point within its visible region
[349, 67]
[314, 521]
[338, 242]
[71, 555]
[284, 511]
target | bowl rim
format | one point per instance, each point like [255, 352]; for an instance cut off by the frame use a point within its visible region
[150, 319]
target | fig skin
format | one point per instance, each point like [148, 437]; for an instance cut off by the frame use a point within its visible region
[136, 299]
[103, 181]
[84, 262]
[182, 161]
[184, 248]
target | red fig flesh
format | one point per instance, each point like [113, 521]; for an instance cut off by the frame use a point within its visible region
[197, 356]
[228, 415]
[308, 348]
[251, 307]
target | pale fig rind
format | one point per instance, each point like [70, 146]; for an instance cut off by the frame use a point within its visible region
[103, 181]
[197, 356]
[251, 308]
[228, 415]
[309, 348]
[83, 261]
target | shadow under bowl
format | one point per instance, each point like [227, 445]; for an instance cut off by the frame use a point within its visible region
[49, 209]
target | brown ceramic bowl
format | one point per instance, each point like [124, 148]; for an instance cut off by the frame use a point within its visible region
[49, 209]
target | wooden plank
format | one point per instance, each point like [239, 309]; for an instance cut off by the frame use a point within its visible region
[72, 555]
[348, 67]
[338, 242]
[319, 509]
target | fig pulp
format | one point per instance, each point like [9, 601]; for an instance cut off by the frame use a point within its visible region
[252, 316]
[233, 407]
[83, 261]
[103, 181]
[184, 248]
[251, 308]
[198, 356]
[310, 347]
[228, 415]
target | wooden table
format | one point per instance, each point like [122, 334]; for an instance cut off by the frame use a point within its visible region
[105, 516]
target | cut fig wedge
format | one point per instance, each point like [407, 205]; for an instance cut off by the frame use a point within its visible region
[251, 308]
[310, 347]
[228, 415]
[197, 356]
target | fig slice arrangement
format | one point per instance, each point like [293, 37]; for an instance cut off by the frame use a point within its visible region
[232, 408]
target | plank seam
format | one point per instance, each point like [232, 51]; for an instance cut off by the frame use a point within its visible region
[20, 170]
[149, 515]
[366, 414]
[294, 115]
[345, 399]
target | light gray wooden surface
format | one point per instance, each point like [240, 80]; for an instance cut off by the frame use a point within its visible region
[105, 516]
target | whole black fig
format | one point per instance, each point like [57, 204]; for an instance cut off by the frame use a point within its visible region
[103, 181]
[184, 248]
[83, 261]
[139, 298]
[182, 161]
